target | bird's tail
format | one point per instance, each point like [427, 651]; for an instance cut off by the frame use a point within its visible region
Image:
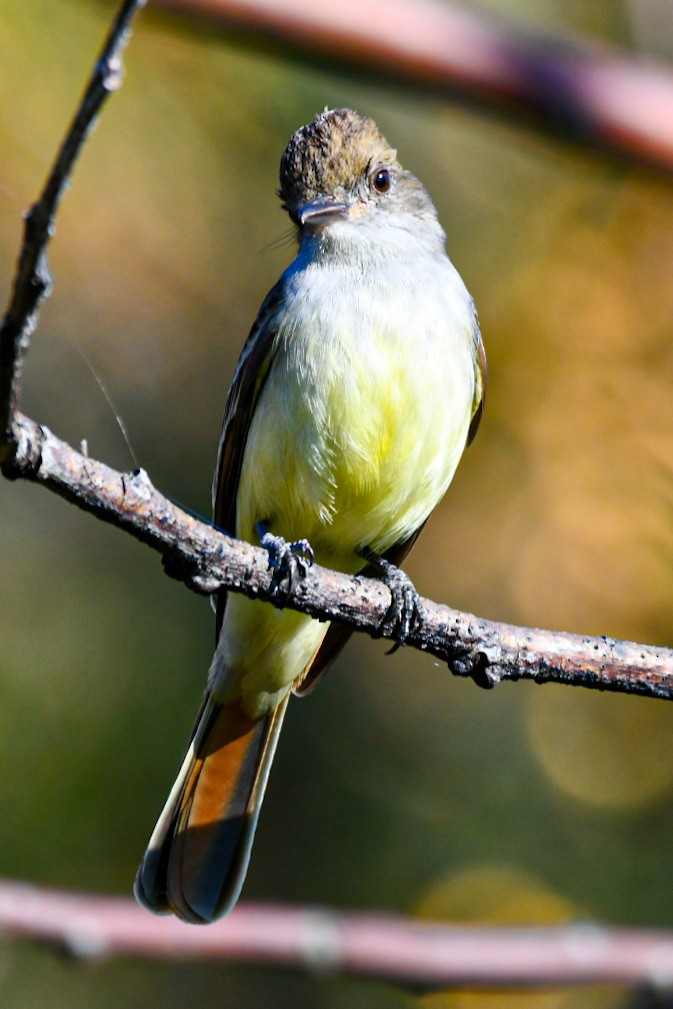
[198, 855]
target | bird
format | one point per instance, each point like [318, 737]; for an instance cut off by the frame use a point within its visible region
[360, 385]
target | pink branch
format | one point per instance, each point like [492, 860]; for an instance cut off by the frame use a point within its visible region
[594, 95]
[423, 954]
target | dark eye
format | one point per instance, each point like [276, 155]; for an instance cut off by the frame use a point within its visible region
[381, 180]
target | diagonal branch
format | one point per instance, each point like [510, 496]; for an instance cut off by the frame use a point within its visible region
[420, 954]
[33, 280]
[593, 95]
[206, 559]
[425, 955]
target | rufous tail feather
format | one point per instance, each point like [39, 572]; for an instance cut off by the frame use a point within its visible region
[198, 855]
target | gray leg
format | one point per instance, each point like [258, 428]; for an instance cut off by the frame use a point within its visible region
[405, 613]
[290, 561]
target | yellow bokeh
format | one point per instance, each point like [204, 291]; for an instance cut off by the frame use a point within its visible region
[503, 895]
[560, 515]
[494, 894]
[609, 751]
[584, 998]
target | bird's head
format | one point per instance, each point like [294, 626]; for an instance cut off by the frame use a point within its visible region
[340, 175]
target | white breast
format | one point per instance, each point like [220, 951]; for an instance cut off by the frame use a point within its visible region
[364, 415]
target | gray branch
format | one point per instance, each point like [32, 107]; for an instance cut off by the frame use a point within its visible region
[205, 559]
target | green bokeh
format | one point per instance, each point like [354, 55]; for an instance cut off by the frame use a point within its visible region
[392, 775]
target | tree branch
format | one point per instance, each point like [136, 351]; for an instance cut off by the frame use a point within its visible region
[592, 95]
[425, 955]
[205, 559]
[33, 280]
[420, 954]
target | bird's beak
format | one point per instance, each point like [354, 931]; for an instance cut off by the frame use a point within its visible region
[317, 215]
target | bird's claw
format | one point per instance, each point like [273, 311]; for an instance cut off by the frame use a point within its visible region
[405, 613]
[290, 561]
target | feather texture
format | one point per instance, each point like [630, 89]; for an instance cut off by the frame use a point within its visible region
[198, 856]
[354, 397]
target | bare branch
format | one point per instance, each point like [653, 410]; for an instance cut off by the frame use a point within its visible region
[595, 96]
[33, 280]
[425, 955]
[206, 559]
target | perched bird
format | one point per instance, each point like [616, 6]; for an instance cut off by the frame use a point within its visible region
[356, 392]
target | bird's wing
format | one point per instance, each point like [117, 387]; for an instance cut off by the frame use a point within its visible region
[251, 373]
[480, 379]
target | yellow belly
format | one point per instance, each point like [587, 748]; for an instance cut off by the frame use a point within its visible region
[354, 440]
[360, 451]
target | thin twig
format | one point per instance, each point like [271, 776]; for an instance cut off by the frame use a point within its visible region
[425, 955]
[33, 280]
[206, 559]
[593, 95]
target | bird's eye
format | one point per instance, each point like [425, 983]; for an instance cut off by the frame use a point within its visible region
[381, 181]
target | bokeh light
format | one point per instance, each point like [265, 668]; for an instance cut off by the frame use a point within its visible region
[395, 786]
[608, 751]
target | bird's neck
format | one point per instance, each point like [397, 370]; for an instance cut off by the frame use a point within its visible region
[365, 247]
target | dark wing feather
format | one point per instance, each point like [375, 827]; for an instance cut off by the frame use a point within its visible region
[251, 372]
[480, 379]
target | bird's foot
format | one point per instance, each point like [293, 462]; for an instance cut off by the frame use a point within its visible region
[405, 613]
[290, 561]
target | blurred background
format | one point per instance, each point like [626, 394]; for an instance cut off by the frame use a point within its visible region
[396, 786]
